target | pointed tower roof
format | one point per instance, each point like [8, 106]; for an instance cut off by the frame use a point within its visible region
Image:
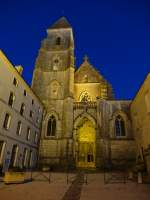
[61, 23]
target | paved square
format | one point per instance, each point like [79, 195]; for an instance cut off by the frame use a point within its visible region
[95, 189]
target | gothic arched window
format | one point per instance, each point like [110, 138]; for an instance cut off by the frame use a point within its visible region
[51, 127]
[58, 41]
[119, 126]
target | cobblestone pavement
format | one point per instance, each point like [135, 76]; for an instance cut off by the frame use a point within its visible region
[58, 189]
[74, 191]
[40, 189]
[97, 190]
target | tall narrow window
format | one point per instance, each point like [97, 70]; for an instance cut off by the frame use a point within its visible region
[31, 113]
[30, 159]
[22, 109]
[51, 127]
[24, 160]
[19, 127]
[32, 101]
[36, 138]
[11, 99]
[58, 41]
[7, 121]
[2, 148]
[28, 133]
[119, 126]
[15, 82]
[13, 160]
[25, 93]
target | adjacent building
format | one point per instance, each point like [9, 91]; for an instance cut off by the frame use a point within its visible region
[140, 112]
[20, 118]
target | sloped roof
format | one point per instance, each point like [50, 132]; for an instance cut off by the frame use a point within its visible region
[87, 73]
[61, 23]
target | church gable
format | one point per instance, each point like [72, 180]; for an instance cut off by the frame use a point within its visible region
[86, 73]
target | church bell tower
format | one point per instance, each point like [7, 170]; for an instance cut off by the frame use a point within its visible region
[53, 82]
[54, 66]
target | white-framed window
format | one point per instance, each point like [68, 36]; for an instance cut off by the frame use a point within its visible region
[2, 150]
[32, 101]
[30, 159]
[24, 160]
[25, 93]
[28, 133]
[11, 99]
[22, 109]
[37, 120]
[14, 155]
[7, 120]
[31, 113]
[36, 138]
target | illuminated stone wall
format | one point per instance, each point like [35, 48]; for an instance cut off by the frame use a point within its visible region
[89, 82]
[70, 95]
[140, 111]
[10, 135]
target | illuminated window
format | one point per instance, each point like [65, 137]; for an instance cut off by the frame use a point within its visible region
[19, 127]
[58, 41]
[119, 126]
[22, 109]
[51, 127]
[7, 121]
[11, 99]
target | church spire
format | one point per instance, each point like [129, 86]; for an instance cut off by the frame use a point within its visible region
[61, 23]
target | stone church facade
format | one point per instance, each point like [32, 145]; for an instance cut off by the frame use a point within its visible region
[83, 125]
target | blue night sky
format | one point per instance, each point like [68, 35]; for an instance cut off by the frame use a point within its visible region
[115, 34]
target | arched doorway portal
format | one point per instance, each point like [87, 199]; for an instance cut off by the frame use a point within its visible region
[85, 138]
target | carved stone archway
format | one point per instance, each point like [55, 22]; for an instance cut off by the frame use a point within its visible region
[85, 142]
